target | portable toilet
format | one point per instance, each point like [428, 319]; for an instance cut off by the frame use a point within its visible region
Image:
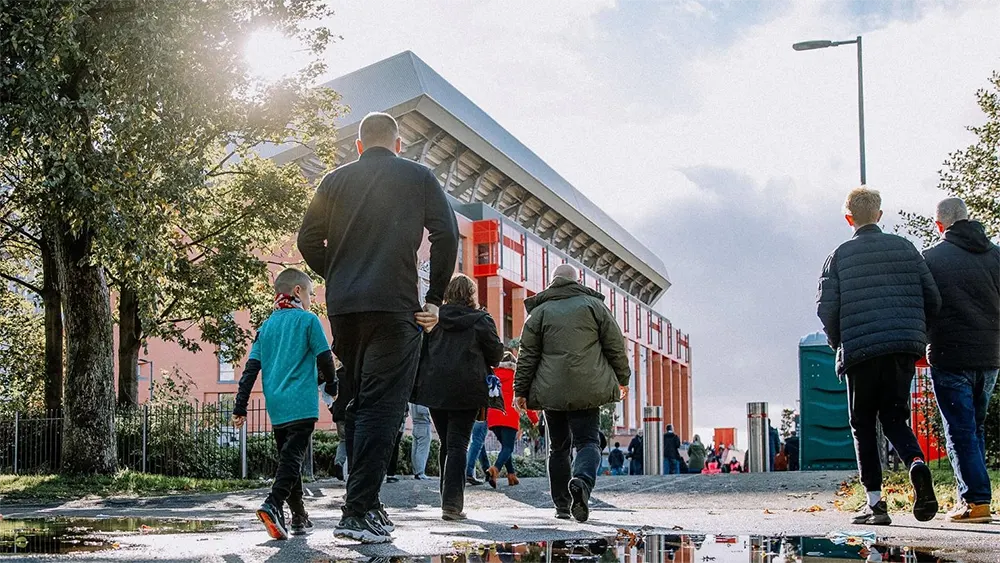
[825, 440]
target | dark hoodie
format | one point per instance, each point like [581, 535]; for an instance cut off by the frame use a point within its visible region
[455, 360]
[965, 334]
[572, 351]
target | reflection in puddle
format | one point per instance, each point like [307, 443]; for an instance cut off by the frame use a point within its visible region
[628, 548]
[70, 535]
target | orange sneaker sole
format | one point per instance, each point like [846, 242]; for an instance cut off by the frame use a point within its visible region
[272, 527]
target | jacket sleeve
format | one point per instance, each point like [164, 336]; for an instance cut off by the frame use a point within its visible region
[489, 340]
[932, 297]
[828, 300]
[250, 372]
[529, 355]
[613, 344]
[439, 219]
[312, 235]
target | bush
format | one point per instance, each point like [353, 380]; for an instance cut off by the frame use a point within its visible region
[405, 465]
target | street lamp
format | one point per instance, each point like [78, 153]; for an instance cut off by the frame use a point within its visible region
[812, 45]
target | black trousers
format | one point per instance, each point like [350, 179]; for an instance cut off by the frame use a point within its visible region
[380, 352]
[454, 428]
[293, 440]
[569, 430]
[393, 466]
[878, 390]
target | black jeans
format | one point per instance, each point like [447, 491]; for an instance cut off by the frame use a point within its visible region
[569, 430]
[393, 466]
[454, 428]
[878, 390]
[380, 352]
[293, 440]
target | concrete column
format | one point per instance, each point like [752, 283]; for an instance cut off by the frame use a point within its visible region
[640, 381]
[668, 390]
[685, 423]
[628, 400]
[517, 312]
[675, 386]
[656, 374]
[494, 303]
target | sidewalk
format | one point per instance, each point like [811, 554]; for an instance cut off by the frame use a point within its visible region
[721, 504]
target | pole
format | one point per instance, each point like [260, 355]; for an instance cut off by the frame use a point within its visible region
[151, 373]
[243, 451]
[861, 116]
[758, 448]
[145, 433]
[652, 427]
[17, 424]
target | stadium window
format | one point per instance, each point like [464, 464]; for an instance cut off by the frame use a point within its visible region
[227, 372]
[613, 299]
[659, 333]
[545, 265]
[649, 327]
[625, 303]
[461, 254]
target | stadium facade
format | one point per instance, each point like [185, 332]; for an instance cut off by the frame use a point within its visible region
[518, 219]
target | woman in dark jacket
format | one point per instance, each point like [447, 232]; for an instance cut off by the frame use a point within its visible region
[452, 382]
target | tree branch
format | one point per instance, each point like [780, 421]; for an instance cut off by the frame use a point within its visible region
[31, 287]
[218, 231]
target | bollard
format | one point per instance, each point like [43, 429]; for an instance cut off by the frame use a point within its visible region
[145, 433]
[17, 424]
[243, 451]
[758, 447]
[652, 428]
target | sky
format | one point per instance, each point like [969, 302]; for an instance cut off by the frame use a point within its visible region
[696, 126]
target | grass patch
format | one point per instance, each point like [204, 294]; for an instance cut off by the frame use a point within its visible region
[123, 483]
[898, 493]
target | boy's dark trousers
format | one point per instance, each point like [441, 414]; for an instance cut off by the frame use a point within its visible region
[293, 440]
[878, 390]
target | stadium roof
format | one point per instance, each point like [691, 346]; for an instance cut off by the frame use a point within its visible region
[451, 128]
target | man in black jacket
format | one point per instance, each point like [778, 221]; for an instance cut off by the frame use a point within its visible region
[671, 452]
[362, 232]
[875, 295]
[964, 350]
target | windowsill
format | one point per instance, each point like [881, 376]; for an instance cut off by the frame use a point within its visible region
[233, 381]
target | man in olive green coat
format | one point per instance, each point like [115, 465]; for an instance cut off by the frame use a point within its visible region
[572, 362]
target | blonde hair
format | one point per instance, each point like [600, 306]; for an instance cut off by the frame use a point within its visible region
[864, 205]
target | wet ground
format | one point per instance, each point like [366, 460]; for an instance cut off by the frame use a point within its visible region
[72, 535]
[769, 518]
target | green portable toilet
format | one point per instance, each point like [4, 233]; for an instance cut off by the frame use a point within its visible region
[825, 440]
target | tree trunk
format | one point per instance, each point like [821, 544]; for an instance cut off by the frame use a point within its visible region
[129, 333]
[89, 445]
[51, 302]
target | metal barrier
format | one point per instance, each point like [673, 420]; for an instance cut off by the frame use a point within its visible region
[758, 448]
[652, 428]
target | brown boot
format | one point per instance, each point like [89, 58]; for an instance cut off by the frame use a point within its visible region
[512, 480]
[492, 474]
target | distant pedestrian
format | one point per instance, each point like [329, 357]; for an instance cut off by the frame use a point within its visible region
[452, 383]
[362, 232]
[792, 451]
[506, 425]
[572, 362]
[875, 295]
[338, 411]
[773, 444]
[964, 349]
[616, 459]
[421, 450]
[477, 453]
[696, 455]
[671, 452]
[635, 454]
[291, 350]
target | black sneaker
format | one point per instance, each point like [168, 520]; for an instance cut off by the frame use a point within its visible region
[925, 507]
[877, 515]
[579, 508]
[563, 514]
[471, 480]
[364, 530]
[338, 472]
[301, 524]
[392, 479]
[273, 519]
[381, 517]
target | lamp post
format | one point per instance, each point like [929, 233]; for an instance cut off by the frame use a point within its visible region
[812, 45]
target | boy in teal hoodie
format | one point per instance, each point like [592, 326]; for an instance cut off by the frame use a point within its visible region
[292, 352]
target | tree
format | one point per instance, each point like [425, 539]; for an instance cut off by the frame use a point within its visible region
[21, 344]
[973, 174]
[788, 417]
[113, 114]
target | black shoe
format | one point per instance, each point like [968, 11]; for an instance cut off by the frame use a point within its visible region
[563, 514]
[273, 519]
[392, 479]
[301, 524]
[381, 517]
[471, 480]
[579, 508]
[338, 472]
[453, 516]
[877, 515]
[925, 507]
[364, 530]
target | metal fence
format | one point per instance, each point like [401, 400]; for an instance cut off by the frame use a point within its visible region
[190, 440]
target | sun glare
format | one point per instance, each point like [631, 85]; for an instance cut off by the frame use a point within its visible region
[272, 56]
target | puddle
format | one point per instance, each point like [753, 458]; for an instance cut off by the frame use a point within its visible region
[629, 548]
[71, 535]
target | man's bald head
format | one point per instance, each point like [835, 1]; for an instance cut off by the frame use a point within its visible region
[566, 271]
[951, 210]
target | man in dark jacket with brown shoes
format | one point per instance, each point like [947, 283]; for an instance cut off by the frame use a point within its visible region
[572, 362]
[964, 350]
[875, 296]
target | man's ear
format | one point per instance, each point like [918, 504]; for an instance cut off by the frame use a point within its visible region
[850, 219]
[940, 226]
[361, 147]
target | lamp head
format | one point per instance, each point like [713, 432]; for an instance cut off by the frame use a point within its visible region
[810, 45]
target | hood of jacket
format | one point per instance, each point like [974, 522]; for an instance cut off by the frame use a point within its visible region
[561, 288]
[457, 317]
[969, 235]
[512, 366]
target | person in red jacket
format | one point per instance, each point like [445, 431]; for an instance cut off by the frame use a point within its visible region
[505, 425]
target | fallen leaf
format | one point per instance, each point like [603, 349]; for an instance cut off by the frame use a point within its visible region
[813, 508]
[768, 511]
[515, 527]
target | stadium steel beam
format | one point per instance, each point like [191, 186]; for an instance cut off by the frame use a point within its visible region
[533, 225]
[470, 183]
[418, 150]
[550, 234]
[453, 165]
[507, 183]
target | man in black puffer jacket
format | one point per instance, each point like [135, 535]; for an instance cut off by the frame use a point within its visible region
[875, 295]
[964, 350]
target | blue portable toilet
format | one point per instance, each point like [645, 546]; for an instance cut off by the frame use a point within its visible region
[825, 440]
